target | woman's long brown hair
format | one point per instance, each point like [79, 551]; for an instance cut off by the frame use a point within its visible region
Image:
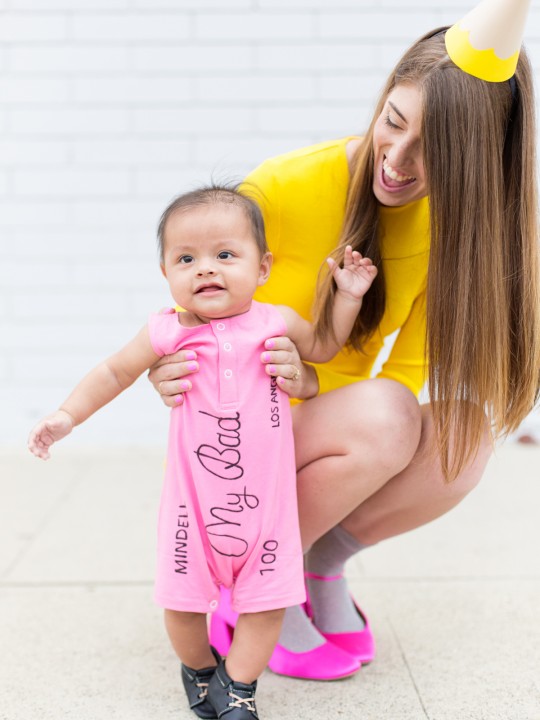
[483, 296]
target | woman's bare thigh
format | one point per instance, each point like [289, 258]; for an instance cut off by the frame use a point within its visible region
[349, 443]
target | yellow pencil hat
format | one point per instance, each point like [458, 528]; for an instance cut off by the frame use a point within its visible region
[486, 42]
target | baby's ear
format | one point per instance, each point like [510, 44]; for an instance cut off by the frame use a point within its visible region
[265, 267]
[162, 266]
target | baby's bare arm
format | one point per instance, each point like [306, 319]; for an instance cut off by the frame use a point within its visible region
[353, 280]
[99, 387]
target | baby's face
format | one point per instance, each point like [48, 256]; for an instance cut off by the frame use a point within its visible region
[212, 262]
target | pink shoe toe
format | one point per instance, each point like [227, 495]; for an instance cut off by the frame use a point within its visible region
[326, 662]
[359, 645]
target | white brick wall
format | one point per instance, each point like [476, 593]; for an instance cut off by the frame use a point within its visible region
[108, 108]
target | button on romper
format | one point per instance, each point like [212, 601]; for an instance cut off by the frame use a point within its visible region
[228, 511]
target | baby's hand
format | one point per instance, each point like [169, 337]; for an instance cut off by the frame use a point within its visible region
[48, 431]
[355, 277]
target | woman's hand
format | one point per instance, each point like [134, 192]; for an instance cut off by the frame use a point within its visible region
[283, 362]
[169, 376]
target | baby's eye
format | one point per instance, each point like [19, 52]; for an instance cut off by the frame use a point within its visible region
[185, 259]
[225, 255]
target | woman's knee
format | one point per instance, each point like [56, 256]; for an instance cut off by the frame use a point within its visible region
[474, 469]
[394, 416]
[394, 420]
[373, 423]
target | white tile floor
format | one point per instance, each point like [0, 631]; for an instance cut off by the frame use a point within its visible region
[455, 606]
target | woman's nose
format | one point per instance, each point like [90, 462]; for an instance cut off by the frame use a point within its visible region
[399, 155]
[404, 153]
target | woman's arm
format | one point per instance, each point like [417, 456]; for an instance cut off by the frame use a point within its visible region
[99, 387]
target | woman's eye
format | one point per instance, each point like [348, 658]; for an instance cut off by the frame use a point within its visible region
[390, 123]
[225, 255]
[185, 259]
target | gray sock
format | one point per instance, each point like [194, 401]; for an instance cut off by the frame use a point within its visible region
[333, 608]
[298, 633]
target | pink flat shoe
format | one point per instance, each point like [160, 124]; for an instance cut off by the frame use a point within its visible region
[361, 644]
[326, 662]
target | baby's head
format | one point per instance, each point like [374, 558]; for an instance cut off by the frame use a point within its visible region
[215, 195]
[213, 251]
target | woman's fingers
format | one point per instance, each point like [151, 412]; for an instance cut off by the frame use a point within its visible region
[288, 372]
[162, 366]
[172, 391]
[303, 386]
[280, 343]
[280, 351]
[282, 361]
[172, 371]
[279, 357]
[169, 376]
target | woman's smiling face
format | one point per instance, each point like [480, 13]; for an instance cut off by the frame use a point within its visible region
[399, 176]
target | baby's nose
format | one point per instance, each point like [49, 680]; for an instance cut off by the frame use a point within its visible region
[206, 270]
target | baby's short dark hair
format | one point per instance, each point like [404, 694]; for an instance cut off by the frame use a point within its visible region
[214, 195]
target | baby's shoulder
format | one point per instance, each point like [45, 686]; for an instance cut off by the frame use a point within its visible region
[168, 330]
[188, 319]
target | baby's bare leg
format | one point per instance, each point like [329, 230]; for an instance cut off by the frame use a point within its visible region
[189, 637]
[255, 638]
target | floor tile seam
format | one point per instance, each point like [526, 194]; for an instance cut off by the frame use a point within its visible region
[408, 668]
[365, 580]
[87, 584]
[86, 453]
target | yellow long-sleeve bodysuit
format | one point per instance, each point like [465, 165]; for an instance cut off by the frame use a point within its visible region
[303, 195]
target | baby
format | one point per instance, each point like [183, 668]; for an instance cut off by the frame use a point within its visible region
[228, 512]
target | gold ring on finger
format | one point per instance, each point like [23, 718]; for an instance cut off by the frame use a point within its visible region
[296, 374]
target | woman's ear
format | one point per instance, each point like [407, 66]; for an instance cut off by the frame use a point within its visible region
[264, 269]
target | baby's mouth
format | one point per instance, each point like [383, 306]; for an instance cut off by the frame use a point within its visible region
[209, 288]
[394, 179]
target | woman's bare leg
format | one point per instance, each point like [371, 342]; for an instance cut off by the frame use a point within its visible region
[369, 447]
[417, 495]
[349, 444]
[383, 467]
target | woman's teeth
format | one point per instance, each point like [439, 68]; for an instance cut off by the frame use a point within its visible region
[393, 174]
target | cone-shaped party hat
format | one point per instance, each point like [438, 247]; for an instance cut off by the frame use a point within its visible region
[486, 42]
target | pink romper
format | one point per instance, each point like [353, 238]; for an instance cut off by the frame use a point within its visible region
[228, 512]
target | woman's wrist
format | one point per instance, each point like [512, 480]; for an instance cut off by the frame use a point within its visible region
[310, 382]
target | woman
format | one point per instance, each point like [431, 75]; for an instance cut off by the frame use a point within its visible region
[458, 275]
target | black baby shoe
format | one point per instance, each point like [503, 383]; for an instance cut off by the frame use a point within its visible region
[231, 700]
[196, 685]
